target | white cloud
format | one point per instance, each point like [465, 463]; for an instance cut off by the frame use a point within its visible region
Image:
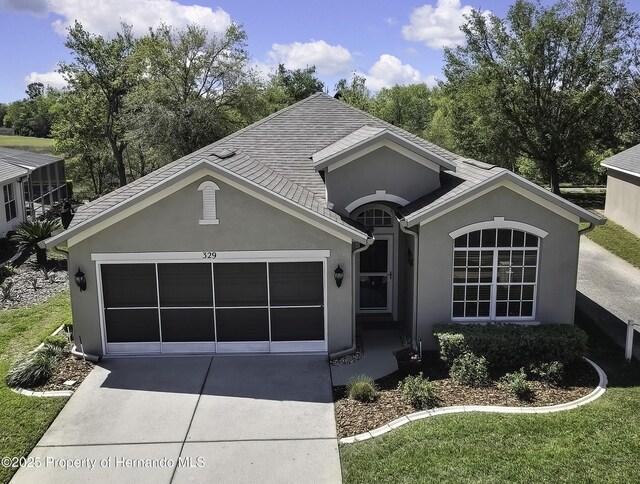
[388, 71]
[104, 16]
[328, 59]
[49, 79]
[439, 26]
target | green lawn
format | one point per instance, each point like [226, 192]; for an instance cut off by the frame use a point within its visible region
[23, 420]
[618, 241]
[597, 443]
[40, 145]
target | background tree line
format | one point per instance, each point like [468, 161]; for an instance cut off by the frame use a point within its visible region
[547, 91]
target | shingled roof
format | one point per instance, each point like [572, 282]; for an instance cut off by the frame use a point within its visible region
[276, 155]
[627, 161]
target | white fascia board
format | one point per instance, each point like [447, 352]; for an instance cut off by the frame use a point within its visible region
[389, 140]
[508, 180]
[621, 170]
[204, 168]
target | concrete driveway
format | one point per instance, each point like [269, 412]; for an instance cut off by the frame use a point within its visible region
[220, 419]
[609, 291]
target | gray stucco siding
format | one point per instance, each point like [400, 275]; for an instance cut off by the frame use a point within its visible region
[382, 169]
[557, 267]
[623, 200]
[172, 225]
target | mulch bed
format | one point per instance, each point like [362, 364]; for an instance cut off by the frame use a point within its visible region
[67, 368]
[353, 417]
[32, 285]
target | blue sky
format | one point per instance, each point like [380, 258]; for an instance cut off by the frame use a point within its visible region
[387, 41]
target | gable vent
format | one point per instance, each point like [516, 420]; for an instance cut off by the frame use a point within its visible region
[223, 153]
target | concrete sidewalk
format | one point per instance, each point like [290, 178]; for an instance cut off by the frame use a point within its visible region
[223, 419]
[608, 291]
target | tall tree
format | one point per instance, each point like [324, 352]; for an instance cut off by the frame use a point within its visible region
[539, 76]
[190, 91]
[34, 115]
[354, 92]
[410, 107]
[105, 65]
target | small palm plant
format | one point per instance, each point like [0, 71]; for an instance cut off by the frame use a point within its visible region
[29, 233]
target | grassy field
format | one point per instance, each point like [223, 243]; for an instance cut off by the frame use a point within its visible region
[40, 145]
[598, 443]
[618, 241]
[23, 420]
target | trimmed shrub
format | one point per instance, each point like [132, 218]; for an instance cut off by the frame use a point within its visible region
[470, 370]
[510, 345]
[517, 384]
[362, 388]
[59, 340]
[420, 392]
[552, 372]
[32, 370]
[452, 346]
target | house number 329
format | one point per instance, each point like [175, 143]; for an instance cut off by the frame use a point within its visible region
[208, 255]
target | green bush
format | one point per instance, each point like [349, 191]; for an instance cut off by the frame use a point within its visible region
[32, 370]
[420, 392]
[452, 345]
[470, 370]
[510, 345]
[60, 340]
[517, 384]
[362, 388]
[552, 372]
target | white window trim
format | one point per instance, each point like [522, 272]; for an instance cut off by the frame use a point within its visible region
[209, 203]
[499, 223]
[8, 190]
[494, 279]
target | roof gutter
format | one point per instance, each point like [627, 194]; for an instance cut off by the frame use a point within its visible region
[368, 243]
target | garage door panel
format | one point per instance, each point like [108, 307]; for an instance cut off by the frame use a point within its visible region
[240, 284]
[132, 325]
[185, 285]
[297, 324]
[129, 285]
[242, 324]
[184, 325]
[296, 283]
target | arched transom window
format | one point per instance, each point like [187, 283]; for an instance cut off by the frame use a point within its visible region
[375, 217]
[495, 274]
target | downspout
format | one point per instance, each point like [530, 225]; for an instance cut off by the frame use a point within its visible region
[403, 227]
[368, 243]
[587, 229]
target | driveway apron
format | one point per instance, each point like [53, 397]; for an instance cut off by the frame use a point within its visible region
[222, 419]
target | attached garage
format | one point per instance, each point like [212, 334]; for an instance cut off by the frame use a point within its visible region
[208, 302]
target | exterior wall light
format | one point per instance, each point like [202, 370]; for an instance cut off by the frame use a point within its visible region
[81, 281]
[338, 275]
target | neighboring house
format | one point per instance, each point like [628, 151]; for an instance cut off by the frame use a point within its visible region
[31, 183]
[282, 236]
[623, 189]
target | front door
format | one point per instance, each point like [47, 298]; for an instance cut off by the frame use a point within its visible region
[376, 272]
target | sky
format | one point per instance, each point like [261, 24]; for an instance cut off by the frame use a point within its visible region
[387, 41]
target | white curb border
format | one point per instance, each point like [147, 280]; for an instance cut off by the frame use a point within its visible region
[47, 393]
[412, 417]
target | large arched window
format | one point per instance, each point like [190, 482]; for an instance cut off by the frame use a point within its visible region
[495, 272]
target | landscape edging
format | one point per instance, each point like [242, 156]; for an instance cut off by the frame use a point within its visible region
[394, 424]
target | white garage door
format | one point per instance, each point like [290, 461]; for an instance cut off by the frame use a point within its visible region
[213, 306]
